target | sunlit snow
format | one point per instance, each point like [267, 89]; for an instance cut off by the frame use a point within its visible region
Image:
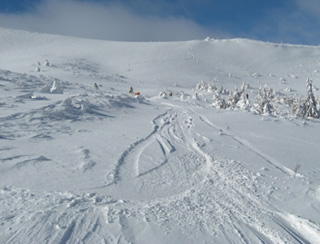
[215, 149]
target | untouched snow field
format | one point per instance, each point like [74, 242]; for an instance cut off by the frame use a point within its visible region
[81, 163]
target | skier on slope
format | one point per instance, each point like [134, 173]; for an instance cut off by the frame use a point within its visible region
[131, 91]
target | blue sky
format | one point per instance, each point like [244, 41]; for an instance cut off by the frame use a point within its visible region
[287, 21]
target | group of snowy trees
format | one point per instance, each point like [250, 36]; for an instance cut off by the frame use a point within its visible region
[236, 98]
[265, 102]
[307, 107]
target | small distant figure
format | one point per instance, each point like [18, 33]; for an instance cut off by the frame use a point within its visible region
[247, 96]
[137, 93]
[96, 86]
[170, 94]
[131, 90]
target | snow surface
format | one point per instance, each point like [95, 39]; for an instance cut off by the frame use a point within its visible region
[81, 163]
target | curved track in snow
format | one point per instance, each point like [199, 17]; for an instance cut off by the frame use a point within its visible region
[176, 180]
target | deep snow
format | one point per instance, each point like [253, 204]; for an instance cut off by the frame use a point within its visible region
[86, 164]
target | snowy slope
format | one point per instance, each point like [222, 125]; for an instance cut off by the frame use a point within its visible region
[86, 164]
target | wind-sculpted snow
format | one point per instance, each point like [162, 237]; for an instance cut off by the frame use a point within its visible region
[39, 101]
[216, 148]
[53, 217]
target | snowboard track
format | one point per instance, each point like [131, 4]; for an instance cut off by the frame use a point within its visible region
[234, 207]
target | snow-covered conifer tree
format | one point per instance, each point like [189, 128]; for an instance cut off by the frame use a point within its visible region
[235, 97]
[244, 103]
[267, 108]
[299, 109]
[263, 100]
[212, 88]
[218, 101]
[202, 86]
[311, 103]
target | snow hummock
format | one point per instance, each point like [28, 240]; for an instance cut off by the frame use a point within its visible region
[217, 143]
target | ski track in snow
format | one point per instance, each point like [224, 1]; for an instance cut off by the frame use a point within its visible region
[244, 143]
[206, 195]
[224, 199]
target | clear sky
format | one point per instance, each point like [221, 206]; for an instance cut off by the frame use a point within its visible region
[287, 21]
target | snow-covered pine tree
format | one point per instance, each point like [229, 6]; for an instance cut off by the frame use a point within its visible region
[202, 86]
[244, 103]
[311, 103]
[223, 91]
[212, 87]
[234, 98]
[257, 106]
[267, 108]
[244, 86]
[263, 100]
[299, 109]
[218, 101]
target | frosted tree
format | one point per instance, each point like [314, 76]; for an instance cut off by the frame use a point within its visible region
[263, 100]
[258, 104]
[311, 103]
[212, 87]
[218, 101]
[267, 108]
[235, 97]
[244, 86]
[244, 102]
[299, 109]
[268, 92]
[223, 91]
[202, 86]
